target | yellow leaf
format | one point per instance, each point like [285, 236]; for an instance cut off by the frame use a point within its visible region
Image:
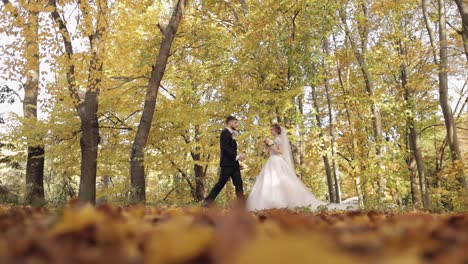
[291, 248]
[76, 219]
[178, 241]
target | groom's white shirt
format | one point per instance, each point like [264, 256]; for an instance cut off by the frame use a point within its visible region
[232, 132]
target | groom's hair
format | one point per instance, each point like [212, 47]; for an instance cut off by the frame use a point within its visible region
[229, 119]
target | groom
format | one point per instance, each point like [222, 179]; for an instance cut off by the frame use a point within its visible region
[229, 162]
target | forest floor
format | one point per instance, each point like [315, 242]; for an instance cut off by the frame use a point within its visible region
[137, 234]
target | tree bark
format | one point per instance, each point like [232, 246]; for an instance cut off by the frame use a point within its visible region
[331, 118]
[462, 6]
[326, 161]
[34, 191]
[355, 153]
[430, 32]
[89, 142]
[198, 169]
[450, 126]
[411, 163]
[414, 141]
[88, 108]
[416, 150]
[301, 141]
[35, 161]
[137, 171]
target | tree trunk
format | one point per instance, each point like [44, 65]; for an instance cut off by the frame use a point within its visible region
[198, 169]
[301, 141]
[450, 126]
[463, 10]
[34, 187]
[89, 142]
[88, 108]
[106, 181]
[35, 161]
[137, 171]
[336, 169]
[360, 54]
[35, 176]
[344, 84]
[416, 150]
[440, 157]
[326, 162]
[413, 133]
[411, 163]
[430, 32]
[427, 22]
[199, 182]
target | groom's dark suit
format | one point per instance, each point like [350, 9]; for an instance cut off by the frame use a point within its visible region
[229, 167]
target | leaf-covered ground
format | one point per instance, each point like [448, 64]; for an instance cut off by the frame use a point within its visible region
[193, 235]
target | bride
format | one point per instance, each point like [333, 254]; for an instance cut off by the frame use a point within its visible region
[277, 185]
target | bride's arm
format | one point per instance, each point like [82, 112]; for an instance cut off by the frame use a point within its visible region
[277, 149]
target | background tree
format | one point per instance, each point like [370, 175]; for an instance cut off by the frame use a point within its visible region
[450, 125]
[25, 16]
[137, 171]
[94, 29]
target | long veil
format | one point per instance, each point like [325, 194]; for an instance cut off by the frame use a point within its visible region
[287, 152]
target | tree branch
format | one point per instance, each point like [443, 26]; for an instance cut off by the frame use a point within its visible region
[15, 12]
[184, 175]
[169, 193]
[66, 37]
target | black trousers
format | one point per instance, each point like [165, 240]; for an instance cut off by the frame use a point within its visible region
[226, 173]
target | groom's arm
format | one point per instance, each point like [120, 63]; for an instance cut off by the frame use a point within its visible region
[226, 147]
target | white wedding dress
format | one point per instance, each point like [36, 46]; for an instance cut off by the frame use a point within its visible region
[277, 185]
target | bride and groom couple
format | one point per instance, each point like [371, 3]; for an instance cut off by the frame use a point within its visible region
[277, 185]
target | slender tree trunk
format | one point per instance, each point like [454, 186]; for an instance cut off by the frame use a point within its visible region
[411, 163]
[198, 169]
[462, 6]
[301, 142]
[326, 162]
[360, 54]
[413, 133]
[441, 152]
[440, 157]
[344, 84]
[106, 181]
[450, 126]
[430, 32]
[333, 137]
[416, 149]
[35, 161]
[137, 171]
